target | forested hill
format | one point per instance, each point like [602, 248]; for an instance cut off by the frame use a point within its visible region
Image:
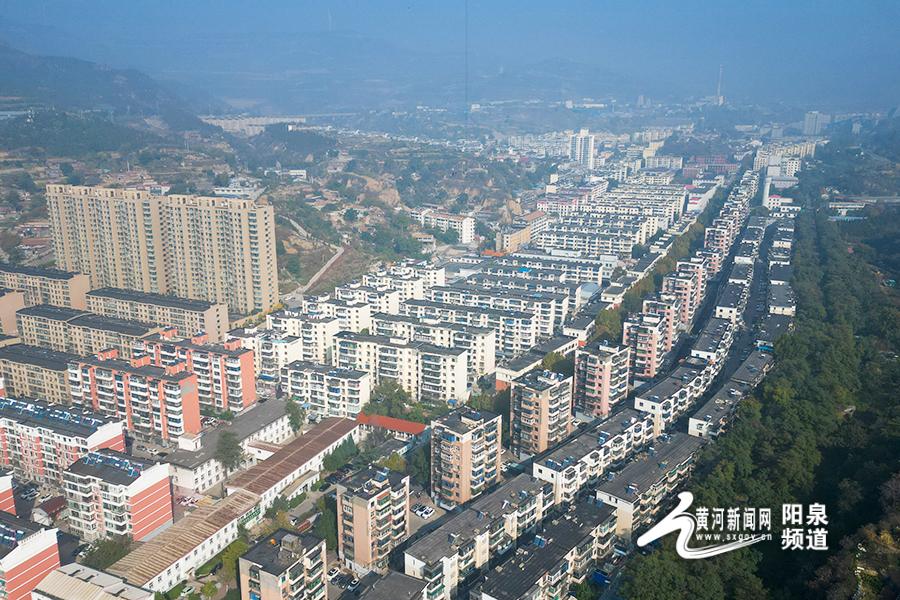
[824, 427]
[72, 84]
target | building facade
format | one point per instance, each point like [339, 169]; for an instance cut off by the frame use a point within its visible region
[540, 408]
[465, 455]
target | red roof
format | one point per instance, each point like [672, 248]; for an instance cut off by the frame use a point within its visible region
[391, 423]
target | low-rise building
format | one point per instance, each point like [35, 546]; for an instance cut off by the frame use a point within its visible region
[112, 494]
[638, 491]
[372, 518]
[188, 317]
[315, 333]
[284, 566]
[463, 226]
[672, 396]
[272, 351]
[781, 300]
[11, 301]
[42, 440]
[327, 391]
[78, 581]
[540, 411]
[46, 286]
[465, 455]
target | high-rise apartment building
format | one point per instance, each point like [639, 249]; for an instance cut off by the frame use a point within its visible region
[465, 455]
[814, 122]
[373, 518]
[645, 335]
[328, 391]
[284, 566]
[216, 249]
[601, 377]
[111, 494]
[581, 148]
[540, 411]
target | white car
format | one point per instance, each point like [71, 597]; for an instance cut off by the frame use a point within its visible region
[426, 512]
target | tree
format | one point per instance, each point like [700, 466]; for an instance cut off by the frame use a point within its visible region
[351, 215]
[394, 462]
[340, 456]
[554, 361]
[209, 589]
[296, 415]
[107, 551]
[230, 556]
[419, 465]
[229, 451]
[326, 524]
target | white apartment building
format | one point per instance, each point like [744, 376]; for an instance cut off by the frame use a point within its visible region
[326, 391]
[272, 350]
[351, 315]
[430, 218]
[425, 371]
[315, 333]
[380, 299]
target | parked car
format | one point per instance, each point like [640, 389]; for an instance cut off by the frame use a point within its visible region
[332, 572]
[426, 513]
[354, 583]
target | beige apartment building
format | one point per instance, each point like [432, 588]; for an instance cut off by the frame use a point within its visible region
[216, 249]
[11, 301]
[284, 566]
[46, 286]
[540, 409]
[465, 455]
[188, 317]
[32, 372]
[80, 332]
[373, 518]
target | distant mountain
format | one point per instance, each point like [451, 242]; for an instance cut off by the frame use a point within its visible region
[72, 84]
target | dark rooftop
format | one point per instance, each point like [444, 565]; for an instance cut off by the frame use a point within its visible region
[278, 552]
[44, 358]
[667, 452]
[150, 298]
[110, 466]
[395, 586]
[35, 271]
[66, 420]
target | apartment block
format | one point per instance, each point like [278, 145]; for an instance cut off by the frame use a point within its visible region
[351, 315]
[46, 286]
[479, 342]
[668, 306]
[373, 518]
[225, 372]
[188, 317]
[7, 499]
[465, 455]
[432, 219]
[315, 333]
[458, 551]
[327, 391]
[39, 440]
[154, 402]
[284, 566]
[405, 281]
[601, 377]
[113, 494]
[540, 410]
[645, 335]
[566, 553]
[671, 397]
[29, 552]
[11, 301]
[588, 456]
[272, 350]
[639, 491]
[516, 331]
[380, 299]
[423, 370]
[683, 285]
[33, 372]
[216, 249]
[79, 332]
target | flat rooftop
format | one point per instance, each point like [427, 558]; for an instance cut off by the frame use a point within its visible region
[78, 581]
[781, 295]
[540, 379]
[395, 586]
[281, 550]
[754, 368]
[505, 314]
[667, 452]
[66, 420]
[465, 419]
[598, 433]
[186, 304]
[37, 272]
[44, 358]
[328, 370]
[110, 466]
[14, 530]
[730, 296]
[712, 334]
[772, 327]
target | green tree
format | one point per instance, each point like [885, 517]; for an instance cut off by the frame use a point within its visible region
[419, 465]
[326, 524]
[351, 215]
[296, 415]
[554, 361]
[394, 462]
[209, 589]
[107, 551]
[230, 555]
[229, 451]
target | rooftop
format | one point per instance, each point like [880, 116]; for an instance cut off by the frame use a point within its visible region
[464, 420]
[597, 434]
[80, 318]
[781, 295]
[153, 557]
[150, 298]
[13, 530]
[391, 424]
[395, 586]
[110, 466]
[753, 368]
[52, 360]
[772, 327]
[280, 551]
[540, 379]
[37, 272]
[70, 421]
[261, 477]
[78, 581]
[666, 453]
[311, 367]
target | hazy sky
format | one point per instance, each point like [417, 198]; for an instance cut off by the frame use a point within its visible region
[809, 52]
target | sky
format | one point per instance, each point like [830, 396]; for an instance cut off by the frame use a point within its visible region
[815, 54]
